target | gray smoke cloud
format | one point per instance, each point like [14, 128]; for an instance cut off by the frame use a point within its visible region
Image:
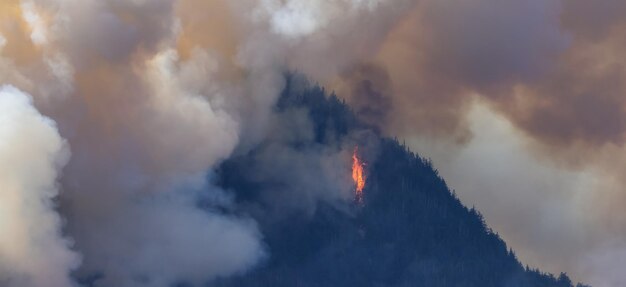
[152, 95]
[551, 70]
[369, 91]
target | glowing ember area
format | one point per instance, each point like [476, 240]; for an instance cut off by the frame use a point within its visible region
[357, 174]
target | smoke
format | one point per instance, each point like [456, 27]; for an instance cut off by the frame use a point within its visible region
[369, 92]
[33, 252]
[551, 67]
[152, 95]
[293, 170]
[442, 53]
[532, 204]
[551, 70]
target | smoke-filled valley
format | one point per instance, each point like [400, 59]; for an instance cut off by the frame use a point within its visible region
[177, 143]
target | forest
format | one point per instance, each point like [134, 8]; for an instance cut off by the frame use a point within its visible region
[409, 229]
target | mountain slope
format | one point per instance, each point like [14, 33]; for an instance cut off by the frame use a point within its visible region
[409, 229]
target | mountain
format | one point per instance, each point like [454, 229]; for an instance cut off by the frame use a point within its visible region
[409, 228]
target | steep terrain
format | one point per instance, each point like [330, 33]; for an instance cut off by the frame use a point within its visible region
[408, 229]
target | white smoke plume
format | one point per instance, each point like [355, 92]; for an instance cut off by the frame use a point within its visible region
[33, 252]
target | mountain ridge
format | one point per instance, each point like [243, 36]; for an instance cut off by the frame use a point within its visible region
[410, 229]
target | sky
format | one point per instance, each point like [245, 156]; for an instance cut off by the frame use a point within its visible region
[520, 104]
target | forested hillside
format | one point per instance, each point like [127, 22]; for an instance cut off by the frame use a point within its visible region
[409, 229]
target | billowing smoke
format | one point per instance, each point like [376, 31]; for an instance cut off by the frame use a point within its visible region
[33, 252]
[549, 69]
[152, 95]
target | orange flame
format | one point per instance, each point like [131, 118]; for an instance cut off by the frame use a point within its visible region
[358, 175]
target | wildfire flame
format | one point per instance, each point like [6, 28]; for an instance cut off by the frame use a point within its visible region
[358, 175]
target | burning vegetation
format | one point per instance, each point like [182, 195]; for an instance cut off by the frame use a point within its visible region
[358, 176]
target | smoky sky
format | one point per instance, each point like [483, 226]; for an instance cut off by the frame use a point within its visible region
[145, 98]
[553, 71]
[369, 92]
